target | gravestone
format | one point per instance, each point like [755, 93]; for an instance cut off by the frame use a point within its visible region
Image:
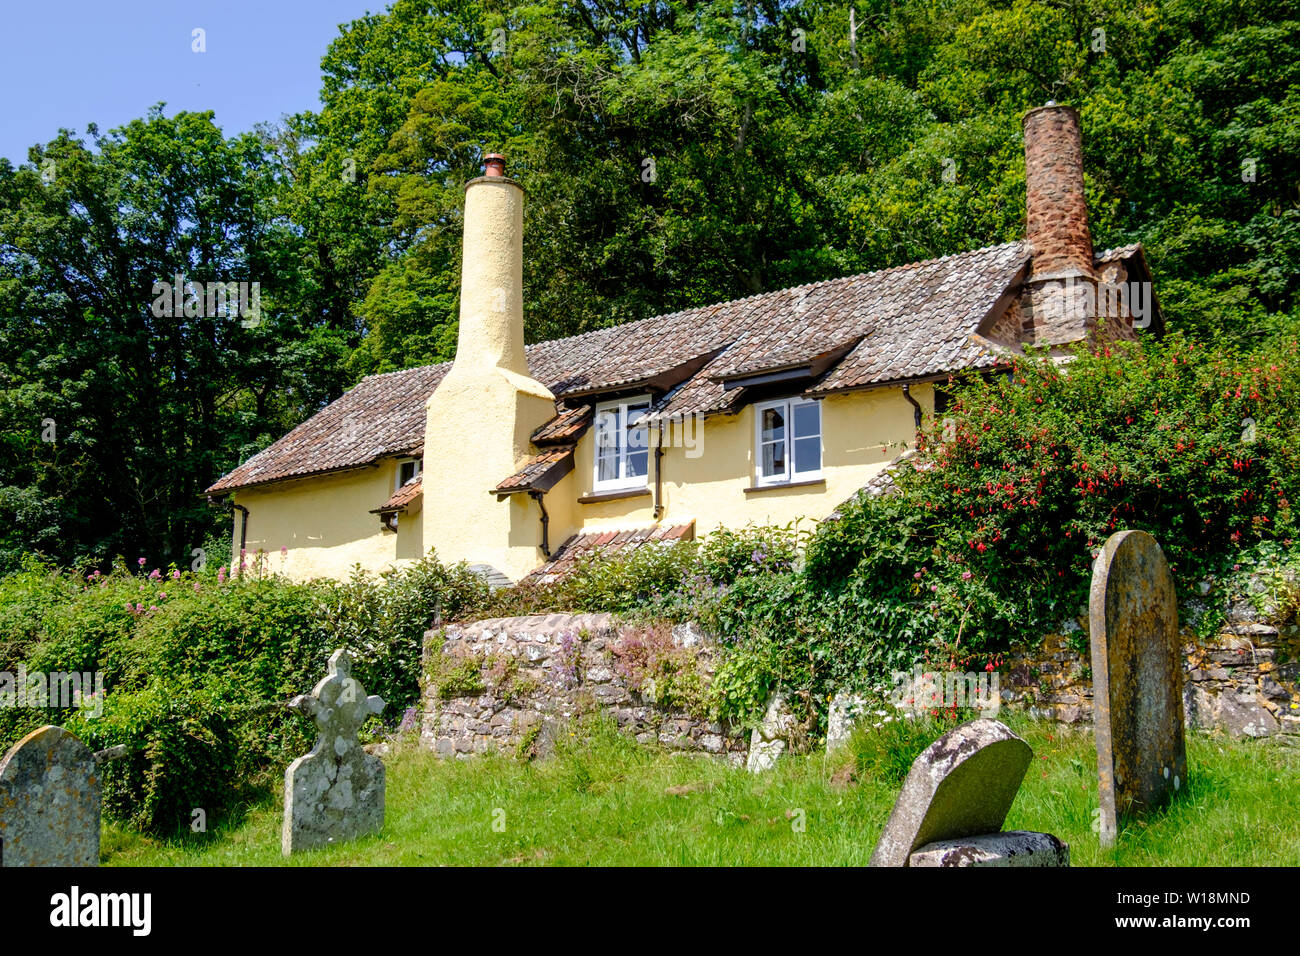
[768, 740]
[336, 792]
[1016, 848]
[962, 785]
[49, 801]
[1137, 679]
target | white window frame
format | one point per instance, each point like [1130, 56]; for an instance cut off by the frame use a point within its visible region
[397, 474]
[789, 476]
[623, 482]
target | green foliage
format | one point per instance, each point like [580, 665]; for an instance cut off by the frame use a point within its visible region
[455, 675]
[197, 669]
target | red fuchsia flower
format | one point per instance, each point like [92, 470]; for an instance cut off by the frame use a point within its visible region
[981, 547]
[988, 666]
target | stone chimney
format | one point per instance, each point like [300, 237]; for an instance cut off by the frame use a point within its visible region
[1062, 284]
[482, 414]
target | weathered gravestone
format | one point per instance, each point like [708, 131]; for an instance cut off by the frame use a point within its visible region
[962, 786]
[336, 792]
[49, 801]
[1137, 678]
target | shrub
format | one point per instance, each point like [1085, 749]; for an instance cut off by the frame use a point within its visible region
[198, 668]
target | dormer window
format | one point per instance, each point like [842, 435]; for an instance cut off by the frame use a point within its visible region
[788, 441]
[407, 468]
[622, 445]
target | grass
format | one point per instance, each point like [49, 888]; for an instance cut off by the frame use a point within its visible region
[604, 800]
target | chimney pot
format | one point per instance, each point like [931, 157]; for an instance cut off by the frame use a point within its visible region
[494, 164]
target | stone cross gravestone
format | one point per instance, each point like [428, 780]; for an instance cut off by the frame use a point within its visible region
[961, 785]
[1137, 678]
[49, 801]
[336, 792]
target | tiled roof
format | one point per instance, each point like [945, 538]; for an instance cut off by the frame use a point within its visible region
[564, 428]
[382, 415]
[605, 543]
[541, 472]
[908, 322]
[401, 498]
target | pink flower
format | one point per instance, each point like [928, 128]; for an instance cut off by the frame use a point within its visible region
[153, 607]
[196, 587]
[965, 575]
[139, 608]
[221, 574]
[917, 574]
[934, 587]
[284, 550]
[155, 575]
[176, 575]
[141, 562]
[162, 595]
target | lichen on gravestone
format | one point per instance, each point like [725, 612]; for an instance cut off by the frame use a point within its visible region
[336, 792]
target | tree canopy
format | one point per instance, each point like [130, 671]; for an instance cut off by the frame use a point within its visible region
[675, 153]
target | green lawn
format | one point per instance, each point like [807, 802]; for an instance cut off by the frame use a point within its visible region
[606, 801]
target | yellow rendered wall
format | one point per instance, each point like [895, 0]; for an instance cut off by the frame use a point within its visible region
[325, 522]
[861, 433]
[326, 526]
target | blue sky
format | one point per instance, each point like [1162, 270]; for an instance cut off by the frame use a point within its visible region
[66, 63]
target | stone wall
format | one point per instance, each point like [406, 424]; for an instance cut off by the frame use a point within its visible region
[1242, 681]
[537, 673]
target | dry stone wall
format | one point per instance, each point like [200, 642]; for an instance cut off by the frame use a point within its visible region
[517, 682]
[1243, 680]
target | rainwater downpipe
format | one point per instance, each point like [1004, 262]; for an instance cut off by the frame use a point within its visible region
[243, 532]
[659, 470]
[907, 394]
[546, 522]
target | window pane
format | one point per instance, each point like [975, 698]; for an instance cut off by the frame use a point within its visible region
[607, 429]
[637, 437]
[773, 459]
[773, 424]
[636, 463]
[607, 464]
[807, 454]
[807, 420]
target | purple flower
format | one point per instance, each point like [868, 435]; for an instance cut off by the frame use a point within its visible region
[408, 719]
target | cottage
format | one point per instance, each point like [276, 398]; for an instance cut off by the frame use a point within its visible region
[766, 409]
